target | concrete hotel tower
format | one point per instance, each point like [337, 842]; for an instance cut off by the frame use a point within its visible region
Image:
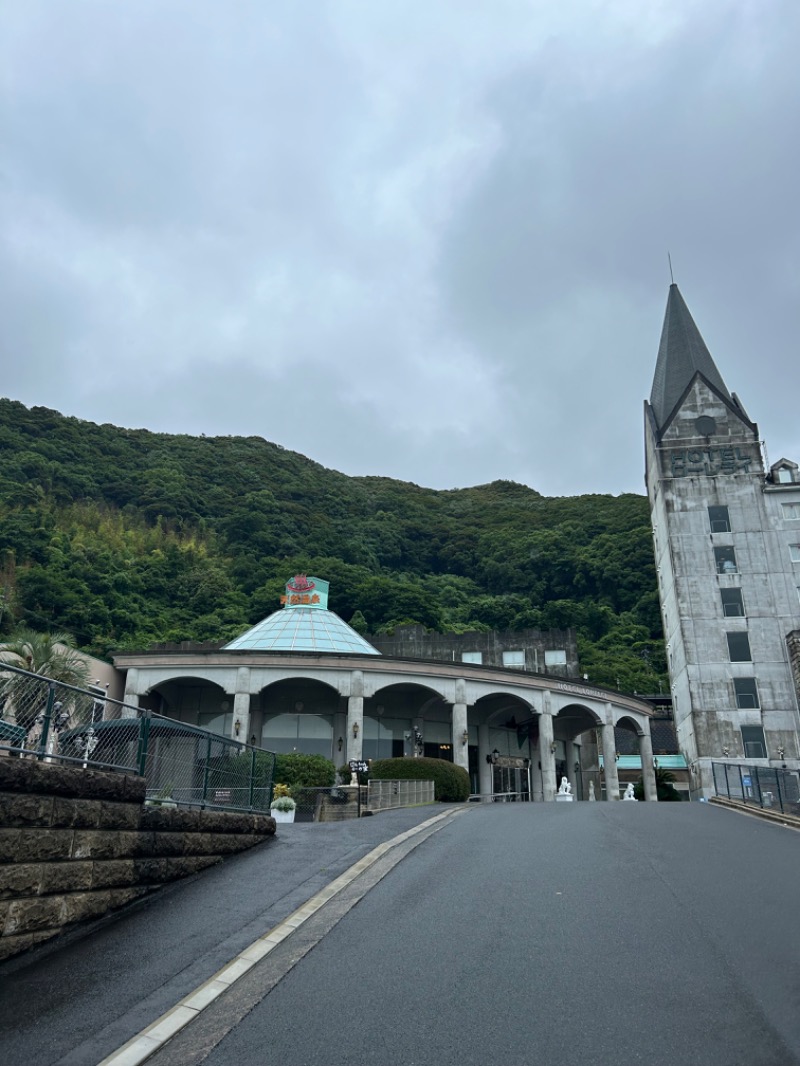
[727, 546]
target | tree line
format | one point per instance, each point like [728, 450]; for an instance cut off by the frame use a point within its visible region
[126, 537]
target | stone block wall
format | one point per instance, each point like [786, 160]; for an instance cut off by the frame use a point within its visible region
[77, 843]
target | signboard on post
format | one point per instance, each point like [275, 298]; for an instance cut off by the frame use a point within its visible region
[358, 766]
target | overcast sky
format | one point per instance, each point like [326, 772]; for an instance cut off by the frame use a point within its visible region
[420, 239]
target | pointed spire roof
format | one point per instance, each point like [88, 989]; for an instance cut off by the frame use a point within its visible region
[303, 629]
[681, 354]
[303, 624]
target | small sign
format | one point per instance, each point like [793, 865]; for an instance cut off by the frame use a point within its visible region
[358, 766]
[746, 781]
[222, 795]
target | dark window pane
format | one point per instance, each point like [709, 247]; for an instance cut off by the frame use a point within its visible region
[732, 603]
[725, 558]
[753, 742]
[739, 648]
[719, 519]
[746, 692]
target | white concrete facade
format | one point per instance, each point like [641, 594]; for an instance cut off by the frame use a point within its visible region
[465, 705]
[724, 535]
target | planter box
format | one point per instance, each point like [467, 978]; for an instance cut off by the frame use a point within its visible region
[282, 816]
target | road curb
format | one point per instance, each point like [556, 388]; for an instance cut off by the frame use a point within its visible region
[790, 821]
[152, 1038]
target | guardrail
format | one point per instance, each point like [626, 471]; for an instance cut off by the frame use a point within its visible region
[385, 795]
[182, 763]
[762, 786]
[500, 797]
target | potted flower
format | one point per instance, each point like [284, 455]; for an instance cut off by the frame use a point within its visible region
[283, 806]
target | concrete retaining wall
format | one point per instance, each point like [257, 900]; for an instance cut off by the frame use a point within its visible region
[76, 843]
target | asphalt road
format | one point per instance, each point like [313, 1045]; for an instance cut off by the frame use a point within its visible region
[74, 1002]
[517, 934]
[595, 933]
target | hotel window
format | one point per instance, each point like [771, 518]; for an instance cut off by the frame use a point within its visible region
[753, 742]
[725, 560]
[514, 659]
[732, 603]
[794, 553]
[471, 657]
[558, 657]
[739, 648]
[783, 475]
[746, 693]
[791, 512]
[719, 520]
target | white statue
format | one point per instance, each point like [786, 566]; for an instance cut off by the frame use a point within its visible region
[565, 788]
[592, 797]
[629, 794]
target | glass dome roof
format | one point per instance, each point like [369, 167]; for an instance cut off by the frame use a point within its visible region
[302, 629]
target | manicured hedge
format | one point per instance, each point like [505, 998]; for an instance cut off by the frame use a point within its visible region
[450, 782]
[304, 771]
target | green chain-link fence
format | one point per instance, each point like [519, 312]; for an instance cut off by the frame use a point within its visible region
[182, 763]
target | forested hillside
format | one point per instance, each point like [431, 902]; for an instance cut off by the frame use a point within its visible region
[126, 537]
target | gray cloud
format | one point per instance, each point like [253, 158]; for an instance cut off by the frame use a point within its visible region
[444, 229]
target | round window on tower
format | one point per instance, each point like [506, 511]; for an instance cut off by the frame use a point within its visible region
[705, 426]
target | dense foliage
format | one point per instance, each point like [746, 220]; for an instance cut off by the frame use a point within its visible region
[297, 771]
[126, 537]
[450, 782]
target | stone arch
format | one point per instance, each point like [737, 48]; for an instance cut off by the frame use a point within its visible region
[398, 713]
[301, 714]
[193, 699]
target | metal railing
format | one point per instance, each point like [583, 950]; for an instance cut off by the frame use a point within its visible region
[385, 795]
[182, 763]
[762, 786]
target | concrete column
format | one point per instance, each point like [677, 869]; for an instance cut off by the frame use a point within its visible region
[241, 706]
[241, 716]
[131, 695]
[458, 726]
[355, 726]
[571, 757]
[547, 757]
[484, 768]
[648, 771]
[610, 757]
[339, 732]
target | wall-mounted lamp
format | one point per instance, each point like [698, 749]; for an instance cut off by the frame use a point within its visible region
[493, 757]
[781, 751]
[355, 729]
[655, 763]
[616, 756]
[553, 748]
[237, 727]
[340, 743]
[726, 751]
[577, 767]
[253, 741]
[465, 738]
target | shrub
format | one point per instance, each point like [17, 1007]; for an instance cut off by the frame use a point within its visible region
[304, 771]
[450, 782]
[665, 790]
[283, 803]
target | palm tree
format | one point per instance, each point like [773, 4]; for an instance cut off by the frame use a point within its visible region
[665, 790]
[50, 655]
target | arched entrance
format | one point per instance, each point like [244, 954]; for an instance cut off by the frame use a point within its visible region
[193, 700]
[501, 764]
[300, 714]
[407, 719]
[575, 755]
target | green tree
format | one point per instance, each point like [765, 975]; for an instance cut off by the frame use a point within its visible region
[50, 655]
